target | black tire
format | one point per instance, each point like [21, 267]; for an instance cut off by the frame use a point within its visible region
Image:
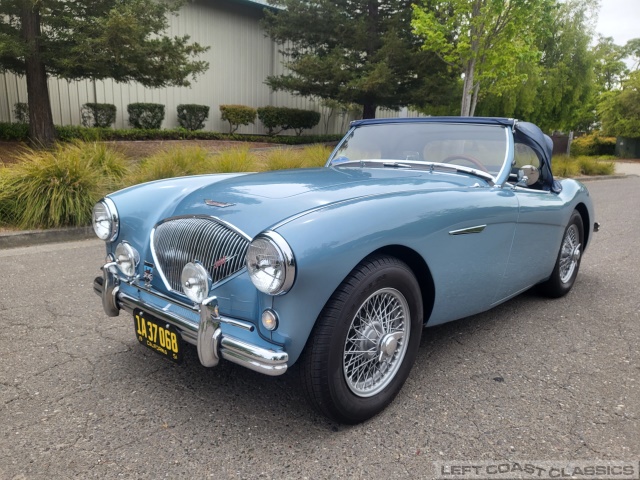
[333, 363]
[567, 265]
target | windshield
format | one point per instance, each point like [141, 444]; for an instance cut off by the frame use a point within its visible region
[416, 145]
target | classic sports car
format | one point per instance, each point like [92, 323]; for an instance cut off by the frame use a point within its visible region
[411, 223]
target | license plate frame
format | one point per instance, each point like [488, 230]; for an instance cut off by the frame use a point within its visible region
[157, 335]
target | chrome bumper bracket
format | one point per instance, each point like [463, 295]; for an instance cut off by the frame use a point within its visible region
[206, 335]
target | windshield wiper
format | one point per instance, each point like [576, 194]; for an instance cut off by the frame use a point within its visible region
[396, 165]
[460, 169]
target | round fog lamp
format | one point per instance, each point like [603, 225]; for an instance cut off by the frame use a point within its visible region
[269, 320]
[195, 282]
[127, 259]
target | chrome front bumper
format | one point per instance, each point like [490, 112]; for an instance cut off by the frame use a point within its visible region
[206, 335]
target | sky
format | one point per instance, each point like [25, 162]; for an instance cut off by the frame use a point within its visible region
[619, 19]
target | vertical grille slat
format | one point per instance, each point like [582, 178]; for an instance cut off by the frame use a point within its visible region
[179, 241]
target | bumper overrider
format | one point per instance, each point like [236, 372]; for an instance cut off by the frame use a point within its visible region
[207, 335]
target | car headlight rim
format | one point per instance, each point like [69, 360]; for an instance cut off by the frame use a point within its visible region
[287, 264]
[105, 222]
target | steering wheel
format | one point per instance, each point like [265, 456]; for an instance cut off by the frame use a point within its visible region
[468, 158]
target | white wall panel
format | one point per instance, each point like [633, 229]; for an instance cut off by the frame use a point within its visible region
[240, 59]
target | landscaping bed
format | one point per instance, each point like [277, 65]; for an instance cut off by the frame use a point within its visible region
[139, 149]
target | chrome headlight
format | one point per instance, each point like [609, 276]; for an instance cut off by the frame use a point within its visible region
[105, 220]
[271, 264]
[127, 259]
[195, 281]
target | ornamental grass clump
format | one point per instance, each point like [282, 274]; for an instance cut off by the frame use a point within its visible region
[564, 166]
[57, 188]
[235, 160]
[596, 166]
[286, 158]
[174, 162]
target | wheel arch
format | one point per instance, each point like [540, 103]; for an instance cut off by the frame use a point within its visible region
[586, 223]
[420, 270]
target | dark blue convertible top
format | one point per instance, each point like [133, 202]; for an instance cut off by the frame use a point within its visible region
[523, 132]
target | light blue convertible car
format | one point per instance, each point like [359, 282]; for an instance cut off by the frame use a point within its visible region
[411, 223]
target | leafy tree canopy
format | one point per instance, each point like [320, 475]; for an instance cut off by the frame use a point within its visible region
[483, 40]
[558, 90]
[355, 51]
[620, 110]
[98, 39]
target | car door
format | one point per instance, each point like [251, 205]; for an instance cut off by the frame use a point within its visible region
[537, 235]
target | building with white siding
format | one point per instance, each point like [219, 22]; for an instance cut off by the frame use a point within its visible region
[240, 58]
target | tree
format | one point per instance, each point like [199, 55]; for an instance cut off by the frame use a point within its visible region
[610, 67]
[560, 90]
[482, 40]
[620, 109]
[354, 51]
[91, 39]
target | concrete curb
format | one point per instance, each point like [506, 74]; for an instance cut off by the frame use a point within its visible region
[29, 238]
[605, 177]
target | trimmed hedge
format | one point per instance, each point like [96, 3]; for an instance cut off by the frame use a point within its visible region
[277, 119]
[98, 114]
[14, 132]
[20, 132]
[593, 145]
[192, 117]
[145, 115]
[21, 112]
[237, 115]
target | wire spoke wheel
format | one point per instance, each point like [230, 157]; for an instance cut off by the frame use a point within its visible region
[565, 270]
[569, 253]
[376, 342]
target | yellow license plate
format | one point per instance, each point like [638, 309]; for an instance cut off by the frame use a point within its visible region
[157, 335]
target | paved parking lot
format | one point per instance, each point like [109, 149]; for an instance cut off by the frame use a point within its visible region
[533, 380]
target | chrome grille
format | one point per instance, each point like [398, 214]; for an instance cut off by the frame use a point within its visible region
[179, 241]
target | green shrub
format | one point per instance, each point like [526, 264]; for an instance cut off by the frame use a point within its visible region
[593, 144]
[10, 132]
[274, 119]
[20, 132]
[278, 119]
[69, 133]
[145, 115]
[21, 112]
[56, 188]
[237, 115]
[192, 117]
[300, 120]
[98, 115]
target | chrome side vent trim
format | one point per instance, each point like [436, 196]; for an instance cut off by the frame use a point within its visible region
[469, 230]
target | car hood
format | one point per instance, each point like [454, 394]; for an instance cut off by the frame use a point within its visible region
[255, 202]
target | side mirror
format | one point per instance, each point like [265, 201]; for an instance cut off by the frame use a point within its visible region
[527, 176]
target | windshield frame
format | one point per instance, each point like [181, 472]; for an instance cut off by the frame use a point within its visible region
[498, 178]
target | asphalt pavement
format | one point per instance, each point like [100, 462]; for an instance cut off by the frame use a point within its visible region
[533, 380]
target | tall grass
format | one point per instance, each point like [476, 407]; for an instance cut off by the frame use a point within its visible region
[285, 158]
[47, 189]
[175, 162]
[565, 166]
[234, 160]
